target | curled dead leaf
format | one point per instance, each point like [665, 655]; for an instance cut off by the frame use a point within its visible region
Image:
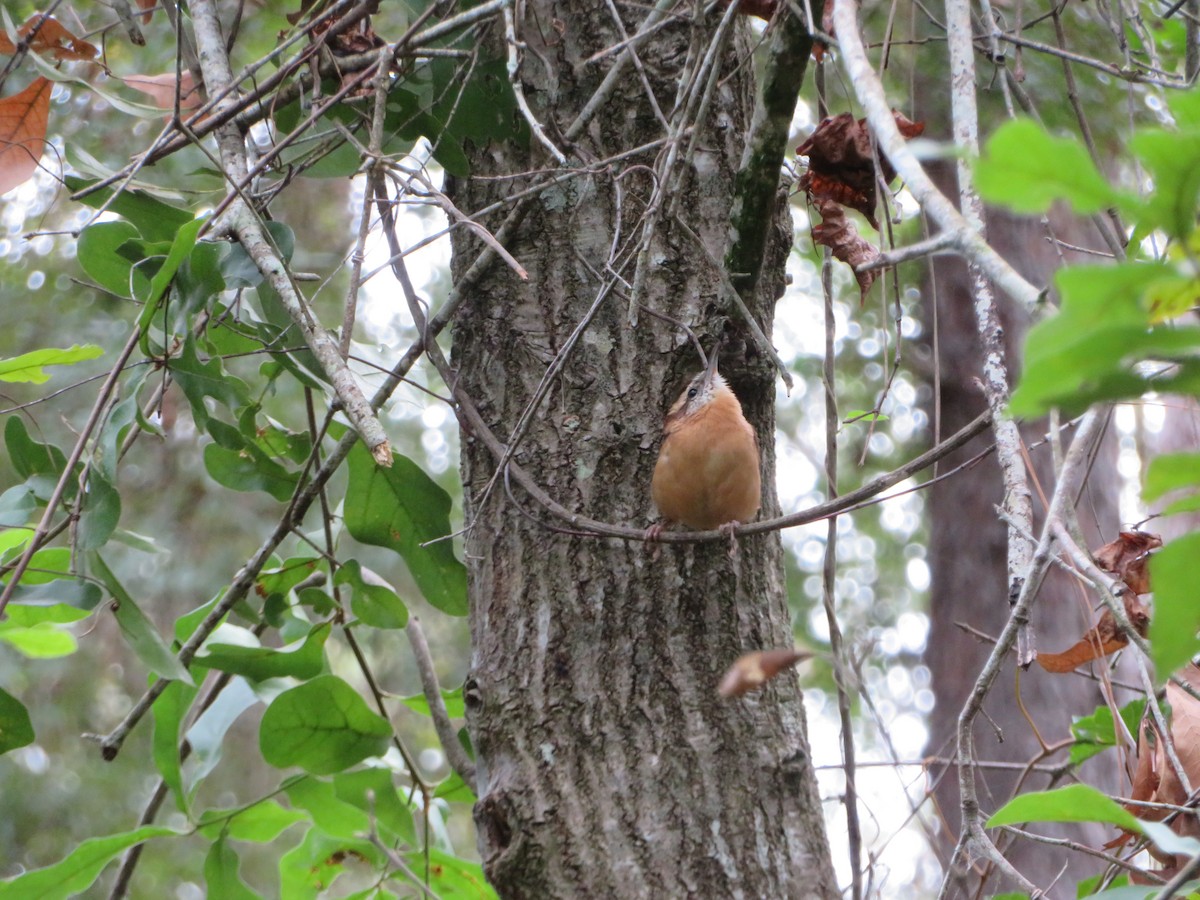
[753, 670]
[840, 235]
[161, 89]
[841, 162]
[1102, 640]
[23, 119]
[1128, 556]
[50, 37]
[762, 9]
[1155, 779]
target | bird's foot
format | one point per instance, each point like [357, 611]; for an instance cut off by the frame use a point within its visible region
[727, 529]
[652, 535]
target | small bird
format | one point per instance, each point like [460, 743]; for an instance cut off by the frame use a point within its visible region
[707, 471]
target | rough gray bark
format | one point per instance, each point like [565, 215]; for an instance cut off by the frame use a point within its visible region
[608, 766]
[967, 558]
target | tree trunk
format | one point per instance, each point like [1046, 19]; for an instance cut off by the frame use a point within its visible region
[607, 764]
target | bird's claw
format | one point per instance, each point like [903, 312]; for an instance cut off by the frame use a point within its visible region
[728, 529]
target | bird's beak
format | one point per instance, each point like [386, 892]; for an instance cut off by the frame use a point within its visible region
[712, 365]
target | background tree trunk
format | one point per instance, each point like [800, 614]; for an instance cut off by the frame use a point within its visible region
[608, 765]
[967, 559]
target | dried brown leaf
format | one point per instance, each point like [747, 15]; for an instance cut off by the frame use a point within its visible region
[1098, 643]
[23, 119]
[52, 38]
[840, 235]
[841, 162]
[753, 670]
[161, 89]
[1127, 558]
[763, 9]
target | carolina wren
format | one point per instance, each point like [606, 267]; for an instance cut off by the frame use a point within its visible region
[707, 470]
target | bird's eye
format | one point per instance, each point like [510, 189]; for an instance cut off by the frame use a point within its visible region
[692, 392]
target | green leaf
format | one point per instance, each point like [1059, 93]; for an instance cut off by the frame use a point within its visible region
[28, 614]
[221, 873]
[1074, 803]
[308, 870]
[181, 249]
[169, 711]
[1174, 472]
[303, 659]
[41, 641]
[98, 247]
[329, 812]
[372, 600]
[455, 790]
[139, 631]
[17, 505]
[1176, 613]
[80, 869]
[30, 367]
[282, 579]
[374, 791]
[249, 469]
[402, 508]
[207, 736]
[1173, 161]
[100, 514]
[200, 380]
[452, 877]
[30, 457]
[15, 728]
[323, 726]
[157, 221]
[261, 823]
[1026, 169]
[1096, 733]
[455, 707]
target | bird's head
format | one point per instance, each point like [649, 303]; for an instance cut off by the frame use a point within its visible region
[700, 391]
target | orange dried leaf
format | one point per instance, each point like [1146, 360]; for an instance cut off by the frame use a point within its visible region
[52, 38]
[753, 670]
[161, 89]
[148, 7]
[23, 119]
[839, 234]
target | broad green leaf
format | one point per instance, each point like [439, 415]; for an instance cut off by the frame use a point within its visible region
[402, 508]
[15, 728]
[1096, 733]
[309, 870]
[1171, 297]
[100, 514]
[1090, 349]
[41, 641]
[1074, 803]
[139, 631]
[1174, 472]
[372, 599]
[181, 249]
[200, 380]
[261, 823]
[198, 281]
[80, 869]
[16, 506]
[30, 367]
[452, 877]
[455, 790]
[281, 579]
[1176, 614]
[98, 247]
[1026, 169]
[1173, 160]
[28, 614]
[323, 726]
[304, 659]
[156, 220]
[67, 591]
[374, 791]
[249, 469]
[221, 873]
[169, 711]
[329, 812]
[207, 736]
[30, 457]
[455, 708]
